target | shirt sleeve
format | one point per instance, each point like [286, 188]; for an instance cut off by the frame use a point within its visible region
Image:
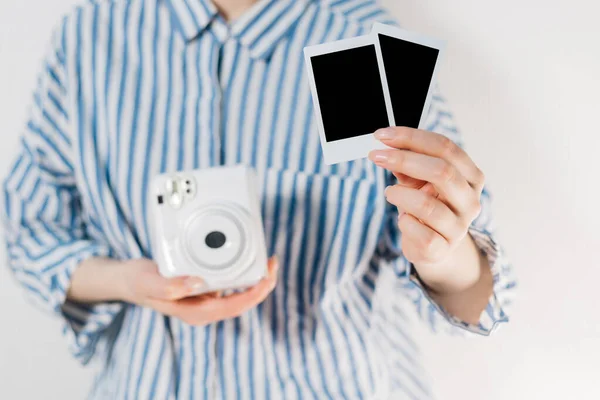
[440, 120]
[42, 216]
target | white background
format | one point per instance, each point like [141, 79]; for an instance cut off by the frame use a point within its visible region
[524, 80]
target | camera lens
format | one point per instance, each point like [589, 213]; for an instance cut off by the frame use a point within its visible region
[215, 239]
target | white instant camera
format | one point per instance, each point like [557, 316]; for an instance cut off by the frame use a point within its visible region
[207, 223]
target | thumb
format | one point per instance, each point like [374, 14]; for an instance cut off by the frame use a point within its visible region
[157, 287]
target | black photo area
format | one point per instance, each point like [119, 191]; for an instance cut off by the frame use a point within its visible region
[350, 92]
[409, 70]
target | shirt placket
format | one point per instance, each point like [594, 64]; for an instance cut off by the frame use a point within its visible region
[223, 76]
[222, 69]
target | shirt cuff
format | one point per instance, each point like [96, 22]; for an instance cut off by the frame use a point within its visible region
[494, 314]
[83, 323]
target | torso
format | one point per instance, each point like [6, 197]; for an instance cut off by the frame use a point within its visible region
[148, 102]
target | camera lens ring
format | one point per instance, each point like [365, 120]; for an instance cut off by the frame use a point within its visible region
[245, 254]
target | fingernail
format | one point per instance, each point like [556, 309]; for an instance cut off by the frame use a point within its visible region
[385, 134]
[400, 214]
[379, 156]
[194, 283]
[387, 190]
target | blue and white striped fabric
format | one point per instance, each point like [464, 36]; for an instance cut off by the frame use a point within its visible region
[133, 88]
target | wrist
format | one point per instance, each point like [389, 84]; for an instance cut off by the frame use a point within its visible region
[457, 273]
[117, 276]
[124, 280]
[98, 279]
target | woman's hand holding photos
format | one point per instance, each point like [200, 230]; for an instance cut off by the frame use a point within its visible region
[438, 197]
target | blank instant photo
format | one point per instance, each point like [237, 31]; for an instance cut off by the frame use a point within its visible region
[410, 63]
[369, 82]
[350, 92]
[348, 95]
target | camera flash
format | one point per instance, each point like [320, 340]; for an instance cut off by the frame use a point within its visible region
[175, 199]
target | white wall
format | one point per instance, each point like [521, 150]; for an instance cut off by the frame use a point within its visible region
[34, 362]
[524, 80]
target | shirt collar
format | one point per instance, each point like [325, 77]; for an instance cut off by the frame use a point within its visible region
[259, 29]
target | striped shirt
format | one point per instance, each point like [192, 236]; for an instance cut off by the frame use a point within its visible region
[133, 88]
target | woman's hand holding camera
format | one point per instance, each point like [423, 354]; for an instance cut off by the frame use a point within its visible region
[138, 282]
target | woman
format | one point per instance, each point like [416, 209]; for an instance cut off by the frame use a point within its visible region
[130, 89]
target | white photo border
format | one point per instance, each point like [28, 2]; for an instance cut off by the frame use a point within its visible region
[409, 36]
[359, 146]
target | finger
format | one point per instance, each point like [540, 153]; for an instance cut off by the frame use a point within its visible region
[211, 307]
[407, 181]
[268, 284]
[212, 295]
[429, 210]
[159, 287]
[429, 189]
[427, 246]
[184, 287]
[435, 145]
[272, 268]
[181, 308]
[239, 303]
[447, 179]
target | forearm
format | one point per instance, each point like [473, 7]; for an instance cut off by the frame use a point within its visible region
[97, 280]
[467, 291]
